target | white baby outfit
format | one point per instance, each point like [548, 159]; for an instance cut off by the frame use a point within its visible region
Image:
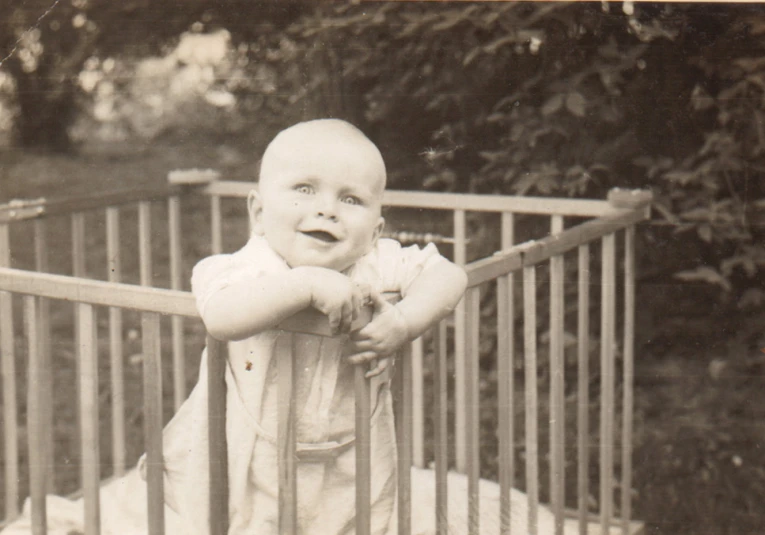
[323, 403]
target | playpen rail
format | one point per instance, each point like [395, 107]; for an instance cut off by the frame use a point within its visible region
[20, 210]
[151, 302]
[538, 251]
[501, 267]
[468, 202]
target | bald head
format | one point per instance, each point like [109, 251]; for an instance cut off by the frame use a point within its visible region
[324, 143]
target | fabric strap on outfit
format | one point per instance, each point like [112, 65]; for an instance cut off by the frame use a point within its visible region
[332, 449]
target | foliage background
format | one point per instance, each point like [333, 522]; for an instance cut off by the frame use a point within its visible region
[559, 99]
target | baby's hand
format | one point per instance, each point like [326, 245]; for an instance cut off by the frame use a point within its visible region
[334, 295]
[380, 338]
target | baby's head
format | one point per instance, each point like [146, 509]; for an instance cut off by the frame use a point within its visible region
[319, 195]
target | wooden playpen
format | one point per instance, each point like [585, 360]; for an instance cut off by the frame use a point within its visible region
[582, 431]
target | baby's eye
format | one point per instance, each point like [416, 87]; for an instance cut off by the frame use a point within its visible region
[352, 199]
[304, 188]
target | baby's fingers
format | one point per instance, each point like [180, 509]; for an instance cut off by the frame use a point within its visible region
[380, 366]
[346, 318]
[335, 318]
[365, 293]
[361, 358]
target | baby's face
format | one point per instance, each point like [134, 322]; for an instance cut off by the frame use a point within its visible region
[318, 203]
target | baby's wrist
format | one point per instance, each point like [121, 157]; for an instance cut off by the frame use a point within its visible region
[404, 323]
[305, 282]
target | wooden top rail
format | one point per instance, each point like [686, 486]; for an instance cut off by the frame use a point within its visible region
[101, 293]
[205, 181]
[141, 298]
[17, 210]
[456, 201]
[535, 252]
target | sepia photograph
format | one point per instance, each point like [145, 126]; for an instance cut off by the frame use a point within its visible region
[382, 267]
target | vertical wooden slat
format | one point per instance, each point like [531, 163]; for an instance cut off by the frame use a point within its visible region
[418, 406]
[507, 230]
[628, 376]
[441, 432]
[286, 439]
[176, 266]
[505, 392]
[557, 407]
[505, 380]
[472, 405]
[152, 380]
[91, 472]
[152, 407]
[218, 462]
[530, 390]
[46, 378]
[460, 258]
[403, 392]
[78, 245]
[216, 225]
[144, 242]
[607, 335]
[114, 267]
[8, 369]
[583, 382]
[36, 431]
[363, 451]
[79, 269]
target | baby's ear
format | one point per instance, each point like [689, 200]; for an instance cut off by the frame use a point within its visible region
[255, 209]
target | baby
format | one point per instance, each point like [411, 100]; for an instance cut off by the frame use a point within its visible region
[315, 242]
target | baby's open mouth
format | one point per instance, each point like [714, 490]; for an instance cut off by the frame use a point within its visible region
[321, 235]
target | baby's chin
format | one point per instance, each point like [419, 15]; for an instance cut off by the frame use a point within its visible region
[341, 262]
[335, 264]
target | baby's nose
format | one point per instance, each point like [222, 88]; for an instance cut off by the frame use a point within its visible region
[326, 208]
[327, 214]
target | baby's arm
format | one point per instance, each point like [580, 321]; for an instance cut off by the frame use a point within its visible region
[244, 308]
[431, 296]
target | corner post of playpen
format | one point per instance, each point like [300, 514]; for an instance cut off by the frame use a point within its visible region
[505, 378]
[628, 376]
[286, 439]
[607, 339]
[176, 266]
[638, 201]
[114, 274]
[36, 433]
[218, 454]
[557, 401]
[46, 377]
[8, 370]
[530, 390]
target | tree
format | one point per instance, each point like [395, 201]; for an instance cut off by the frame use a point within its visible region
[46, 43]
[568, 99]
